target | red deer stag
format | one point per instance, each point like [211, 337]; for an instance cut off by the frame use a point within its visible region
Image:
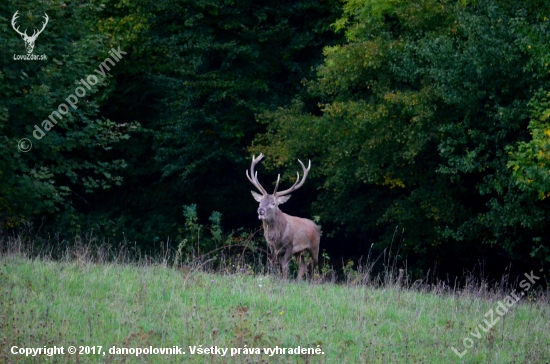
[285, 235]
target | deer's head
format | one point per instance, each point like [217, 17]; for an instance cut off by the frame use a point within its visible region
[269, 202]
[29, 40]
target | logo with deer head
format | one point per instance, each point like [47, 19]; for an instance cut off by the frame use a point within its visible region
[29, 40]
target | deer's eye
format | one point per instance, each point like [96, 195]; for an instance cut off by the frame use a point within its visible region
[273, 204]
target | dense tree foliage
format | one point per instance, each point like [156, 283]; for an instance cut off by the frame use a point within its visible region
[429, 116]
[195, 75]
[424, 108]
[73, 156]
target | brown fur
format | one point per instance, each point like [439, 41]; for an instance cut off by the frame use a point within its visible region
[289, 236]
[286, 235]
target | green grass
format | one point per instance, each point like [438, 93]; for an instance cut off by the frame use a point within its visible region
[46, 303]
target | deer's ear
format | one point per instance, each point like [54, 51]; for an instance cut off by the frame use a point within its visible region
[256, 196]
[282, 199]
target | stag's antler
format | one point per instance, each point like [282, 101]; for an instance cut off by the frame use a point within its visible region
[43, 26]
[25, 35]
[13, 19]
[296, 185]
[254, 179]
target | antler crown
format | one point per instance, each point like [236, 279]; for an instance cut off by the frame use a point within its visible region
[253, 178]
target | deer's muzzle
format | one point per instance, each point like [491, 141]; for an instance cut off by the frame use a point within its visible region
[261, 213]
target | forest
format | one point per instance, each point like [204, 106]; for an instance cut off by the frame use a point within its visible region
[426, 123]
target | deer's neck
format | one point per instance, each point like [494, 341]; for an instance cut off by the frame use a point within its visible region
[275, 227]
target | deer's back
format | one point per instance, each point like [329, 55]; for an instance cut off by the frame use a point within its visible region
[302, 233]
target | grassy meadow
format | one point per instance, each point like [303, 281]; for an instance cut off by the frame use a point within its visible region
[83, 302]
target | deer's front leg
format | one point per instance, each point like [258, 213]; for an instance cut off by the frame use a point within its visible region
[285, 260]
[303, 266]
[271, 257]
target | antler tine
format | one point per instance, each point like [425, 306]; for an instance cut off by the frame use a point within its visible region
[255, 182]
[13, 19]
[282, 193]
[36, 32]
[299, 183]
[254, 179]
[276, 185]
[45, 23]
